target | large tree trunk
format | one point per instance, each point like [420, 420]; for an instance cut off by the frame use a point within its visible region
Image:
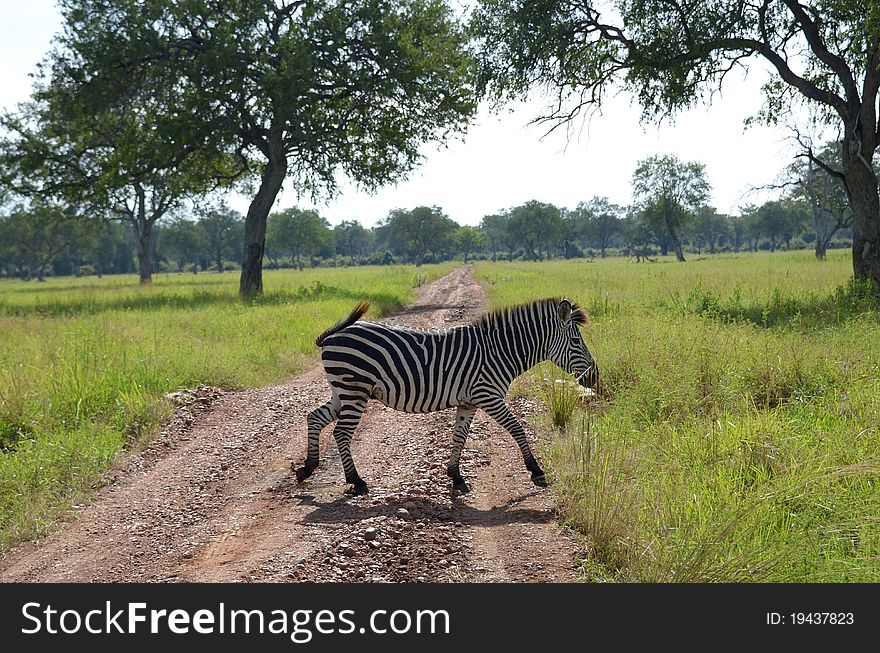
[821, 240]
[251, 283]
[142, 234]
[145, 264]
[142, 231]
[676, 243]
[817, 225]
[861, 189]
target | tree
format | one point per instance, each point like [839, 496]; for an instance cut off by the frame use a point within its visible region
[310, 90]
[779, 221]
[37, 235]
[297, 232]
[467, 240]
[668, 192]
[493, 228]
[106, 137]
[222, 230]
[535, 226]
[671, 53]
[751, 225]
[352, 239]
[572, 232]
[112, 252]
[422, 230]
[602, 222]
[182, 240]
[636, 236]
[710, 228]
[824, 194]
[739, 225]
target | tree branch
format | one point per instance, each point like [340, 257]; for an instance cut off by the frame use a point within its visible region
[837, 64]
[805, 86]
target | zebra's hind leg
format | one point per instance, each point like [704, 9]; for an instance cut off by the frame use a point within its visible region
[349, 417]
[463, 418]
[317, 420]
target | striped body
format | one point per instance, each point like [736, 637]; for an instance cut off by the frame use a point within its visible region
[416, 371]
[468, 367]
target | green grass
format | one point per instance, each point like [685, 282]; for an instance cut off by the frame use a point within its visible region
[737, 432]
[85, 363]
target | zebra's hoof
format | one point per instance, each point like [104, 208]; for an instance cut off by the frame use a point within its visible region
[357, 489]
[461, 488]
[540, 480]
[304, 472]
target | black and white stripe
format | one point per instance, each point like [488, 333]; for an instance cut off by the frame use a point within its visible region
[468, 367]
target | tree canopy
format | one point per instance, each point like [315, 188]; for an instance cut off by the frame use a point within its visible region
[421, 231]
[315, 91]
[668, 192]
[104, 139]
[296, 232]
[670, 54]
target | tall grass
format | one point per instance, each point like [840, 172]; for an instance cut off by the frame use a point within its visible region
[737, 432]
[85, 364]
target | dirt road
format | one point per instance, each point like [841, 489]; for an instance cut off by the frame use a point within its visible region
[214, 500]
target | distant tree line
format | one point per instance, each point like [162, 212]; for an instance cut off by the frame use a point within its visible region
[668, 215]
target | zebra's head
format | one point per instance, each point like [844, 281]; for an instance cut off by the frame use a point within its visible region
[567, 347]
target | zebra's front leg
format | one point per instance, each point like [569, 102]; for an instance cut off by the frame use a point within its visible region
[316, 420]
[499, 411]
[463, 418]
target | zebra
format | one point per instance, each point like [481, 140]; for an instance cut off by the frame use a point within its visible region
[468, 367]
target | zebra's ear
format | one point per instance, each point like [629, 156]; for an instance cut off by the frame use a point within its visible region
[565, 312]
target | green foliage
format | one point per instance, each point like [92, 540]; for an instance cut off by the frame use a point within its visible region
[736, 435]
[31, 239]
[352, 239]
[535, 226]
[667, 192]
[297, 232]
[778, 221]
[84, 367]
[182, 241]
[494, 228]
[597, 221]
[824, 194]
[670, 55]
[222, 230]
[419, 232]
[467, 240]
[709, 228]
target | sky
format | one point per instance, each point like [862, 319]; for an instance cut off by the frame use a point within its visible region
[503, 160]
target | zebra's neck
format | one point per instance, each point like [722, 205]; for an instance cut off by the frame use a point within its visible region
[516, 340]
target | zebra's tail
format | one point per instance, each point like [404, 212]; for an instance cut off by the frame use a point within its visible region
[356, 314]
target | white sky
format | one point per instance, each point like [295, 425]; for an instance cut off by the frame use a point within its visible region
[503, 161]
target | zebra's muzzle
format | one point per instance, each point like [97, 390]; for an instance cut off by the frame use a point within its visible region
[589, 378]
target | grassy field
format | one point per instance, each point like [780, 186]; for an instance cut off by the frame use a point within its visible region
[737, 432]
[85, 363]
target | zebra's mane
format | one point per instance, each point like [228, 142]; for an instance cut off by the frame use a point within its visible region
[578, 314]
